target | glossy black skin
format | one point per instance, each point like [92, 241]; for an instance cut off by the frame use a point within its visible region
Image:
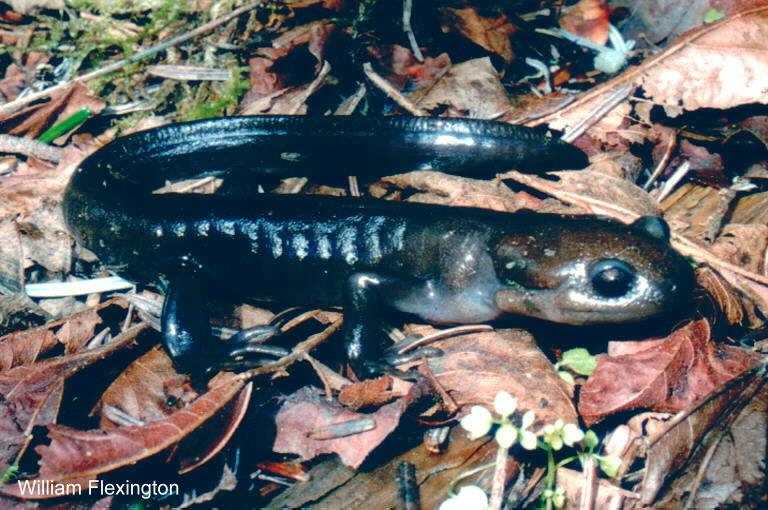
[443, 264]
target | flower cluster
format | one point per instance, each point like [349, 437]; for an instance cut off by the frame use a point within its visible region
[479, 422]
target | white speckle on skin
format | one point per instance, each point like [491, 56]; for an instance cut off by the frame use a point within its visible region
[398, 237]
[179, 229]
[203, 227]
[373, 238]
[274, 239]
[251, 230]
[158, 231]
[347, 247]
[324, 247]
[226, 227]
[300, 245]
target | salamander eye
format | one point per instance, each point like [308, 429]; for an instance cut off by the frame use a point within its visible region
[611, 277]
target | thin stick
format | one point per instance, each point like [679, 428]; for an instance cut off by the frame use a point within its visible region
[391, 92]
[662, 163]
[597, 113]
[18, 145]
[499, 479]
[673, 181]
[13, 106]
[407, 11]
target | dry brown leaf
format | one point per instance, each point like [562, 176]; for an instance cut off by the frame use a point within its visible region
[743, 245]
[27, 6]
[75, 455]
[470, 89]
[440, 188]
[143, 390]
[588, 19]
[725, 297]
[721, 65]
[206, 442]
[373, 392]
[732, 474]
[506, 360]
[671, 444]
[491, 34]
[596, 193]
[606, 494]
[15, 79]
[31, 393]
[28, 190]
[306, 411]
[662, 375]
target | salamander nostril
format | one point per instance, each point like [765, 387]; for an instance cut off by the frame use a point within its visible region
[611, 277]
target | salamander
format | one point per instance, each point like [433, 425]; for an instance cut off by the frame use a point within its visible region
[441, 264]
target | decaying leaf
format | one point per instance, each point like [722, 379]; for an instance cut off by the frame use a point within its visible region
[723, 294]
[672, 443]
[307, 424]
[373, 392]
[662, 375]
[142, 391]
[588, 19]
[76, 455]
[734, 463]
[440, 188]
[26, 6]
[506, 360]
[31, 393]
[595, 192]
[488, 33]
[721, 65]
[469, 89]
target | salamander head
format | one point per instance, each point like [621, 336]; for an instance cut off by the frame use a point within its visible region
[581, 270]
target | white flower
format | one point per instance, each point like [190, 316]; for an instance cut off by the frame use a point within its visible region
[553, 435]
[470, 497]
[528, 438]
[505, 404]
[506, 436]
[572, 434]
[478, 422]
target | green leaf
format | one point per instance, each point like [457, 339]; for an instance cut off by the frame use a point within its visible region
[65, 126]
[579, 360]
[610, 465]
[590, 439]
[713, 15]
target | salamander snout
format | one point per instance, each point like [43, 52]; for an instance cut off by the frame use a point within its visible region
[605, 274]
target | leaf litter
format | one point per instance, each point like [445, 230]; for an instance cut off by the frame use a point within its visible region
[474, 60]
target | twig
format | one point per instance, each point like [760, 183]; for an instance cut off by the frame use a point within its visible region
[587, 501]
[673, 181]
[600, 111]
[296, 354]
[499, 479]
[391, 92]
[19, 145]
[662, 163]
[407, 10]
[141, 55]
[727, 196]
[442, 334]
[693, 489]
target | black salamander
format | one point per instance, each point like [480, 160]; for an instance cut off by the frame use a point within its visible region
[442, 264]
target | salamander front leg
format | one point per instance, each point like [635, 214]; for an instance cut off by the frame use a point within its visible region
[188, 340]
[186, 328]
[368, 294]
